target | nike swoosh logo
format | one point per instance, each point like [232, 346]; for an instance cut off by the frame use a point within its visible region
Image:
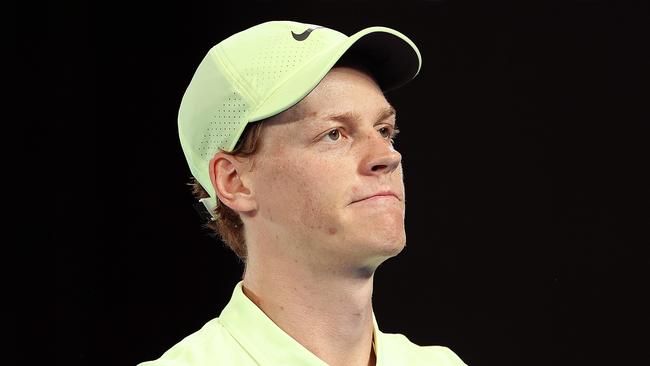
[302, 36]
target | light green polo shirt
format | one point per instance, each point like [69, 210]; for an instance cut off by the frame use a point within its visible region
[243, 335]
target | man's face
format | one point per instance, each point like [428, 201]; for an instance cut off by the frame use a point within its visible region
[309, 172]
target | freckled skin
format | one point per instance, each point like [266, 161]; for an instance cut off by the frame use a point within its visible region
[304, 183]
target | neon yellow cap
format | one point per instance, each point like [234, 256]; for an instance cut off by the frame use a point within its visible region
[264, 70]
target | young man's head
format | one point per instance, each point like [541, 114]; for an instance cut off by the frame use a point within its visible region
[319, 182]
[325, 187]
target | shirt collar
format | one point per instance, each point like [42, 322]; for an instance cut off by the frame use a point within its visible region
[267, 343]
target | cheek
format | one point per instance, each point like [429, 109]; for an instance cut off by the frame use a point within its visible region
[299, 191]
[397, 177]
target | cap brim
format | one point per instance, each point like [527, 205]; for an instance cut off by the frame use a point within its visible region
[390, 56]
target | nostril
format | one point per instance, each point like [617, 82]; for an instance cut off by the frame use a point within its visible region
[378, 167]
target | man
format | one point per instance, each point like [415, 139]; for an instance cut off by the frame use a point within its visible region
[313, 201]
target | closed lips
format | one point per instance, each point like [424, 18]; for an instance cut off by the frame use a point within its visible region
[387, 193]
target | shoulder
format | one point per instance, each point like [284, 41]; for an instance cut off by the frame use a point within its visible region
[400, 350]
[212, 343]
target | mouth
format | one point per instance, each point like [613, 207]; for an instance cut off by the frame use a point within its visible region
[379, 196]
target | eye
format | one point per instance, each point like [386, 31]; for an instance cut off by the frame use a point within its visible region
[334, 134]
[388, 132]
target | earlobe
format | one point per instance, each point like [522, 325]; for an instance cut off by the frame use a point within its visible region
[225, 174]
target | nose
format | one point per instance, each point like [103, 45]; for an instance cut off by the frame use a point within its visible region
[380, 157]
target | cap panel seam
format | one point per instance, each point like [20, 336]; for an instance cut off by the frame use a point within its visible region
[222, 60]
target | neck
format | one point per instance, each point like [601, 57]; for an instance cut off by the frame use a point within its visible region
[328, 312]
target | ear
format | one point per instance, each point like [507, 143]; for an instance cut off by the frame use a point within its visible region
[229, 184]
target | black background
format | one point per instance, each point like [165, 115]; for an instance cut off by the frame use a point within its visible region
[524, 147]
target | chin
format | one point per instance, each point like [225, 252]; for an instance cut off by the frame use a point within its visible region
[381, 252]
[397, 247]
[387, 242]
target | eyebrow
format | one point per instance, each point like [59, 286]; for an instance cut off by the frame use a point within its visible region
[345, 117]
